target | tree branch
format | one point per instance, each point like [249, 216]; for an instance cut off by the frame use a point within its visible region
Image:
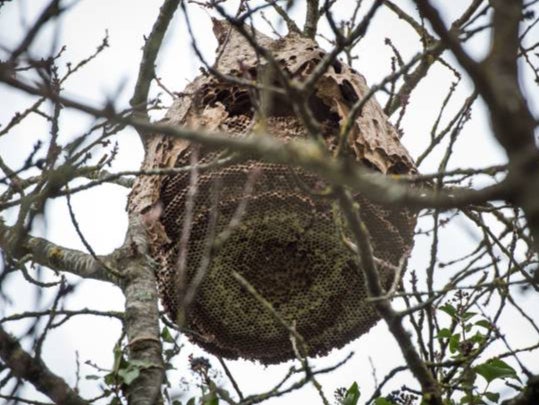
[25, 366]
[429, 386]
[530, 394]
[311, 19]
[303, 153]
[142, 317]
[290, 23]
[149, 55]
[497, 81]
[53, 10]
[53, 256]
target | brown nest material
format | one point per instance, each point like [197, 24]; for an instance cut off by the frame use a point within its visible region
[289, 245]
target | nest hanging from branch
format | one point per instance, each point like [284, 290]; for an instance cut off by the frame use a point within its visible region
[289, 245]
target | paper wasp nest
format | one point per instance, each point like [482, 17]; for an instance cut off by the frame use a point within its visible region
[288, 246]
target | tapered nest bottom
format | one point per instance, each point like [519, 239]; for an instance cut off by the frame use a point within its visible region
[290, 248]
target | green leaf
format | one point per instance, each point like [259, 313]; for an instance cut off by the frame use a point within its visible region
[169, 353]
[454, 341]
[192, 401]
[468, 315]
[472, 400]
[478, 338]
[128, 375]
[352, 395]
[449, 310]
[92, 377]
[110, 379]
[166, 335]
[169, 366]
[443, 334]
[140, 364]
[117, 351]
[119, 359]
[484, 324]
[382, 401]
[210, 399]
[494, 369]
[492, 396]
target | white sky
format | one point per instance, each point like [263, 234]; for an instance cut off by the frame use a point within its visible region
[101, 212]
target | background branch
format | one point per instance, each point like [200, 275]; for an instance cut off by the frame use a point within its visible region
[53, 256]
[149, 55]
[24, 366]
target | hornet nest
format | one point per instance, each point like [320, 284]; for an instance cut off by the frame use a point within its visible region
[289, 244]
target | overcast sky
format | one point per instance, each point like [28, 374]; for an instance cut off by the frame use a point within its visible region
[101, 212]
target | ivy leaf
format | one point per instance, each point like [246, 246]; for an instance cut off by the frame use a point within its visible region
[118, 355]
[352, 395]
[110, 379]
[166, 335]
[494, 369]
[140, 363]
[191, 401]
[169, 354]
[128, 375]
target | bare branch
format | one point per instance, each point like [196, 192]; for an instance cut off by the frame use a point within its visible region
[53, 10]
[430, 387]
[53, 256]
[529, 395]
[23, 365]
[304, 153]
[311, 19]
[497, 81]
[149, 56]
[291, 24]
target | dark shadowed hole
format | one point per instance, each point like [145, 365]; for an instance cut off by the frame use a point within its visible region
[222, 96]
[367, 163]
[240, 106]
[323, 113]
[253, 73]
[398, 168]
[281, 107]
[348, 92]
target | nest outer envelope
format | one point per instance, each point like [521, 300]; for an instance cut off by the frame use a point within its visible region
[288, 246]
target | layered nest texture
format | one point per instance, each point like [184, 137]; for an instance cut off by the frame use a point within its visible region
[289, 243]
